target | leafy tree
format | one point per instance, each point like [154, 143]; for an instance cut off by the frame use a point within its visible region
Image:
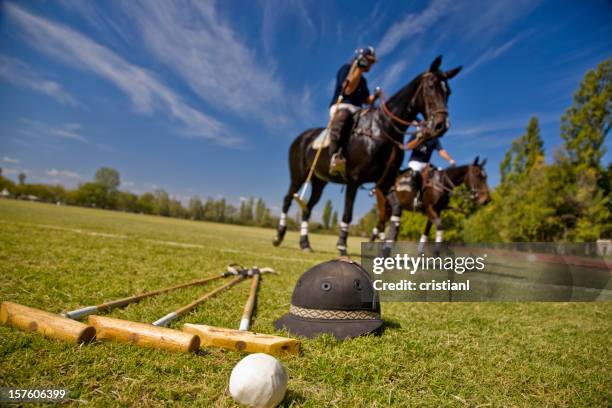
[210, 210]
[196, 210]
[22, 178]
[176, 209]
[126, 201]
[367, 222]
[260, 211]
[220, 210]
[327, 212]
[161, 203]
[146, 203]
[108, 177]
[524, 153]
[90, 195]
[334, 220]
[7, 183]
[586, 123]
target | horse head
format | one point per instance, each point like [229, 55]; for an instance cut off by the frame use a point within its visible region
[476, 181]
[432, 101]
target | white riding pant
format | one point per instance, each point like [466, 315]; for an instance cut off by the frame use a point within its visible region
[417, 165]
[347, 106]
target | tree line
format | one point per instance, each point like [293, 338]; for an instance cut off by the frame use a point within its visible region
[566, 200]
[103, 192]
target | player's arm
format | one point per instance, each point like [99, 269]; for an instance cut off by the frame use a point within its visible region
[372, 98]
[444, 154]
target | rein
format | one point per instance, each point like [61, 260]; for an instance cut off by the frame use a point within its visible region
[425, 124]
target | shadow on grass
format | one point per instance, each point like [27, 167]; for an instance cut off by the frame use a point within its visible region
[293, 398]
[389, 325]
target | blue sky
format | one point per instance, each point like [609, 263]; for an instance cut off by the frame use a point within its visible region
[205, 97]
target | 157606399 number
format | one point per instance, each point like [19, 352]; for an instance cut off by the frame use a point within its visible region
[16, 394]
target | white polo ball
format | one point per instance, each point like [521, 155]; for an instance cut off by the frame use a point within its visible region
[259, 381]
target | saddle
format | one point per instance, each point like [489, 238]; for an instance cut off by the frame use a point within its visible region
[429, 176]
[362, 122]
[365, 123]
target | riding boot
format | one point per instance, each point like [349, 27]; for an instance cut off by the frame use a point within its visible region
[338, 163]
[417, 204]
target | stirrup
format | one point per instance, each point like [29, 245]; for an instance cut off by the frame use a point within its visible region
[337, 164]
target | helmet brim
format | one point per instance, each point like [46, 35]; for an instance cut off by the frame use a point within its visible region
[340, 329]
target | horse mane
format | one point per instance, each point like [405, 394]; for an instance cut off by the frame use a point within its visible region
[457, 171]
[405, 93]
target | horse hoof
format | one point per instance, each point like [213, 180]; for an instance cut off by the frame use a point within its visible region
[307, 249]
[276, 242]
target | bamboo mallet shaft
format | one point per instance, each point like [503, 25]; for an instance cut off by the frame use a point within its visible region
[187, 308]
[245, 322]
[48, 324]
[75, 314]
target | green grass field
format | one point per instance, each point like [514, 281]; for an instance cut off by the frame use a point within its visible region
[430, 354]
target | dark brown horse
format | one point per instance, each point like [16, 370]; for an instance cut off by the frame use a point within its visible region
[436, 189]
[373, 151]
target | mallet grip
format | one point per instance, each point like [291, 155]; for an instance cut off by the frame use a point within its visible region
[48, 324]
[144, 334]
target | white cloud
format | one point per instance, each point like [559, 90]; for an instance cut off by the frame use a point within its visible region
[492, 53]
[21, 74]
[147, 94]
[63, 174]
[11, 160]
[498, 125]
[194, 41]
[11, 172]
[392, 74]
[413, 24]
[70, 131]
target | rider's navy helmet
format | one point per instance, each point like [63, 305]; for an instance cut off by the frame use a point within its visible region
[365, 56]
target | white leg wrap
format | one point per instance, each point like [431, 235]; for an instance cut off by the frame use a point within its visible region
[381, 236]
[375, 231]
[304, 228]
[395, 220]
[344, 226]
[423, 238]
[283, 220]
[439, 235]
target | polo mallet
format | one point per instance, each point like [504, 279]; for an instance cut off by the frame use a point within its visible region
[245, 322]
[155, 335]
[300, 198]
[242, 339]
[188, 308]
[62, 327]
[76, 314]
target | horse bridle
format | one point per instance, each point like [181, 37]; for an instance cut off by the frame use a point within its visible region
[430, 111]
[474, 193]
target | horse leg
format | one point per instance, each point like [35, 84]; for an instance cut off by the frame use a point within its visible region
[282, 222]
[423, 239]
[434, 217]
[381, 204]
[396, 213]
[317, 189]
[349, 200]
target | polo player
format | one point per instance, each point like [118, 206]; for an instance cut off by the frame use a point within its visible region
[352, 85]
[420, 158]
